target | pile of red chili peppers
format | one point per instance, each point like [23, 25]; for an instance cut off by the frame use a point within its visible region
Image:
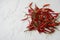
[42, 19]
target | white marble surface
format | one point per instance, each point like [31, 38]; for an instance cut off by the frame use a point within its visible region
[11, 26]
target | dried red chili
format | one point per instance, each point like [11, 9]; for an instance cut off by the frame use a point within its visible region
[42, 19]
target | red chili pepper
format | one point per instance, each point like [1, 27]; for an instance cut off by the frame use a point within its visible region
[42, 19]
[46, 5]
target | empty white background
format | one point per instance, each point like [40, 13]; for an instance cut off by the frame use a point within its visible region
[11, 26]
